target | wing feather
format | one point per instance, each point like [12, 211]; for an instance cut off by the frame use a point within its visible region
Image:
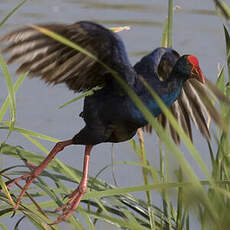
[57, 63]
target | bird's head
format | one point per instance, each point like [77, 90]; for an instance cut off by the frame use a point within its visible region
[188, 66]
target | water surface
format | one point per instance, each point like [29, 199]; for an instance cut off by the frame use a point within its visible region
[197, 30]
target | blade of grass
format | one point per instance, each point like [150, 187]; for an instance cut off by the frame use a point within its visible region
[3, 226]
[88, 93]
[220, 82]
[130, 217]
[164, 196]
[12, 12]
[152, 218]
[6, 191]
[88, 221]
[7, 101]
[227, 41]
[165, 179]
[11, 94]
[16, 227]
[170, 23]
[29, 132]
[164, 39]
[101, 206]
[117, 221]
[144, 161]
[179, 202]
[224, 8]
[141, 188]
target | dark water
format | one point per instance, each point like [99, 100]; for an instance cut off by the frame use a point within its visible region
[197, 30]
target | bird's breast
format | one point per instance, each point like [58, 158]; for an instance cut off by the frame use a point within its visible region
[151, 104]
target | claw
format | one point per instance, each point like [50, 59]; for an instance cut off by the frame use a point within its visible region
[72, 196]
[68, 212]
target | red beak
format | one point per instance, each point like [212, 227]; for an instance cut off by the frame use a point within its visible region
[202, 77]
[196, 69]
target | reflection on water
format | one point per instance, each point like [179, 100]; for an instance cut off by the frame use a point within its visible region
[197, 30]
[133, 7]
[130, 22]
[201, 12]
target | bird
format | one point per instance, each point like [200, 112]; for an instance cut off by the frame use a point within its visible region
[109, 113]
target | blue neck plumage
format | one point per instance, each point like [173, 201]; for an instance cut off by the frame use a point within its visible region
[168, 91]
[168, 98]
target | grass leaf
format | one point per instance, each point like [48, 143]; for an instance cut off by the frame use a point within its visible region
[11, 95]
[12, 12]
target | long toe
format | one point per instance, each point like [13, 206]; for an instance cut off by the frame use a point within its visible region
[24, 189]
[29, 181]
[72, 196]
[18, 179]
[69, 208]
[66, 214]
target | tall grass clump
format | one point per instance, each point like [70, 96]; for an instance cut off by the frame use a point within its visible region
[207, 200]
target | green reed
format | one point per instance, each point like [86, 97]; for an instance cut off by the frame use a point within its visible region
[208, 200]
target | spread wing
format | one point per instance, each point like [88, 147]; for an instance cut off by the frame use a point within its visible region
[56, 63]
[189, 105]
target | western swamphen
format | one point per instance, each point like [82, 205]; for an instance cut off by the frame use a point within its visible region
[109, 114]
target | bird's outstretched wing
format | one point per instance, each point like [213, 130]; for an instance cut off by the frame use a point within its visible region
[56, 63]
[190, 105]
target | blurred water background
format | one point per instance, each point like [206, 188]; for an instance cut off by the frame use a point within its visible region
[197, 30]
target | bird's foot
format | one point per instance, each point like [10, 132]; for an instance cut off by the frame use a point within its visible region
[74, 200]
[30, 177]
[71, 197]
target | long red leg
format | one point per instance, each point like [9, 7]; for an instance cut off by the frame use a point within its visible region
[38, 170]
[77, 195]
